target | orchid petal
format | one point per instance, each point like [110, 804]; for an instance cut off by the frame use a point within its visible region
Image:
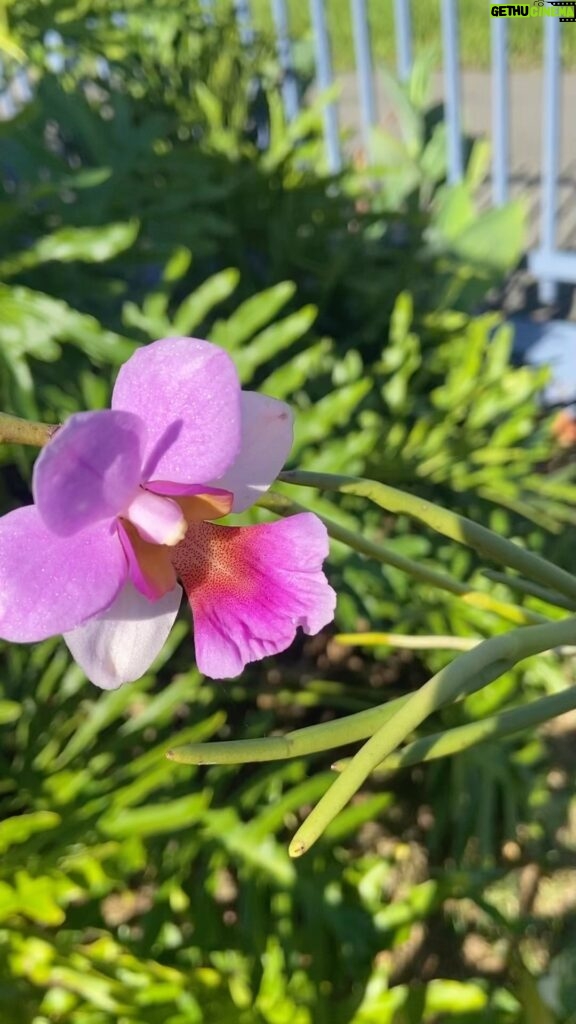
[51, 584]
[188, 394]
[89, 470]
[251, 587]
[120, 644]
[150, 566]
[267, 437]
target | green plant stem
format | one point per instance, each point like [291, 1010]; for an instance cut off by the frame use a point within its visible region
[464, 675]
[449, 524]
[532, 589]
[443, 744]
[425, 643]
[282, 505]
[311, 740]
[14, 430]
[410, 643]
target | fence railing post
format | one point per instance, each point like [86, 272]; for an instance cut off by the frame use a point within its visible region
[452, 87]
[403, 32]
[361, 30]
[550, 149]
[500, 111]
[325, 79]
[244, 21]
[289, 85]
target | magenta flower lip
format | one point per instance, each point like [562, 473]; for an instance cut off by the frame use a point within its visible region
[124, 503]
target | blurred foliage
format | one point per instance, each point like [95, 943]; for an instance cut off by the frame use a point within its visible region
[134, 889]
[151, 187]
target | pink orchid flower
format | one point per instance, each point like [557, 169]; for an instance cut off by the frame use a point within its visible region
[123, 503]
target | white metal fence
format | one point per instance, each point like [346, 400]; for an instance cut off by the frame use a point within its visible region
[548, 262]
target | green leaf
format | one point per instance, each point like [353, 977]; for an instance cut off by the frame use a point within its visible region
[252, 315]
[496, 239]
[273, 340]
[330, 412]
[19, 829]
[33, 324]
[99, 714]
[295, 373]
[409, 118]
[38, 898]
[177, 265]
[433, 159]
[450, 997]
[478, 163]
[91, 245]
[453, 211]
[9, 712]
[196, 307]
[157, 818]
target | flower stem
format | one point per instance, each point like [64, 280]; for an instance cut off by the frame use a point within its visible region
[433, 642]
[407, 642]
[466, 674]
[449, 524]
[532, 589]
[313, 739]
[443, 744]
[14, 430]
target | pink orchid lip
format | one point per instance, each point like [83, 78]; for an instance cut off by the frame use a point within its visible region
[157, 519]
[251, 587]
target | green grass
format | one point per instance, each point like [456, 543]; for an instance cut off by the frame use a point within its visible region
[525, 34]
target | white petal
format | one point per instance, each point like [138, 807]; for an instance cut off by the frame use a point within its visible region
[267, 435]
[119, 645]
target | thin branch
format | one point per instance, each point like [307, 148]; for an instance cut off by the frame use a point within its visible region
[14, 430]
